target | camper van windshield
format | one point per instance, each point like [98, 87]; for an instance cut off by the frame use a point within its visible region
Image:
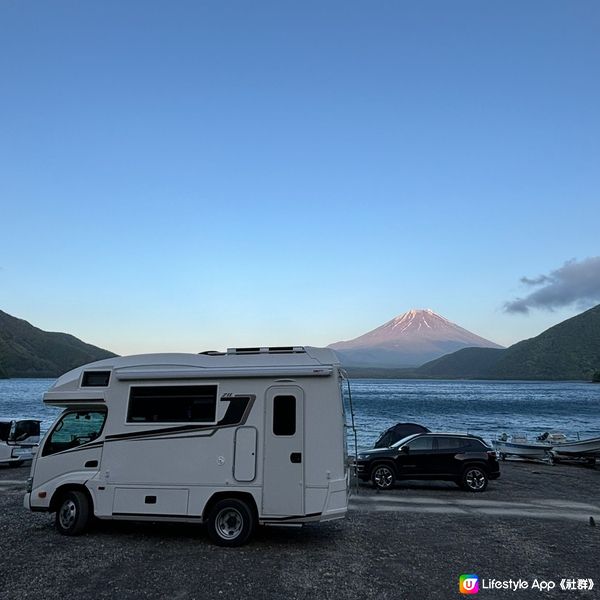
[4, 431]
[22, 430]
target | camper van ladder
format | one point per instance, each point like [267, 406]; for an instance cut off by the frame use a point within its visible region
[353, 427]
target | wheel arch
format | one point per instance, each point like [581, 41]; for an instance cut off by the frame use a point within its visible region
[475, 463]
[246, 497]
[388, 462]
[69, 487]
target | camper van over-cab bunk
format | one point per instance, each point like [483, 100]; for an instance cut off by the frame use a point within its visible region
[233, 440]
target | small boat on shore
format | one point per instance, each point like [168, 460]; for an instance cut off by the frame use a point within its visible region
[589, 448]
[520, 445]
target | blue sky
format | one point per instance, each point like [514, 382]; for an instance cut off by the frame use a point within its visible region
[194, 175]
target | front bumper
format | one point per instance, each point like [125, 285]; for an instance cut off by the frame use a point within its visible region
[23, 453]
[362, 470]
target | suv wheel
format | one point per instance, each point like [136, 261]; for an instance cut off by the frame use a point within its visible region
[474, 479]
[73, 513]
[383, 477]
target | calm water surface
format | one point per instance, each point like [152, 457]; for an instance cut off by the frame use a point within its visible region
[484, 408]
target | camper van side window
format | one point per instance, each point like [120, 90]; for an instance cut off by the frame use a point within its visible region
[95, 379]
[284, 415]
[75, 429]
[173, 404]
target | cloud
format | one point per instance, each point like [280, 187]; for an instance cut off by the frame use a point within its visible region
[575, 283]
[536, 280]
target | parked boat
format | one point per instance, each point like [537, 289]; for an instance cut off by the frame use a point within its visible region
[19, 439]
[520, 445]
[589, 448]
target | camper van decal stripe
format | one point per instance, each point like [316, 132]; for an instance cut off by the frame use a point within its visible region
[236, 414]
[78, 448]
[160, 515]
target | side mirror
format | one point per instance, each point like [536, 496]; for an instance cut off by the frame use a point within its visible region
[404, 449]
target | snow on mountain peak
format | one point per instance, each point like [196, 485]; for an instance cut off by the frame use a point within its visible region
[420, 314]
[419, 330]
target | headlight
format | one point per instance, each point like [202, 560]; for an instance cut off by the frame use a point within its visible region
[363, 457]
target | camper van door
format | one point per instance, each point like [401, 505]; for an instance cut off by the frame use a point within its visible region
[283, 468]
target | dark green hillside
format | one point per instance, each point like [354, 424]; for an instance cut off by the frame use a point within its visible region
[468, 363]
[569, 350]
[26, 351]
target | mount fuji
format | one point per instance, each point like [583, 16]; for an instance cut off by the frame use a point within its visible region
[409, 340]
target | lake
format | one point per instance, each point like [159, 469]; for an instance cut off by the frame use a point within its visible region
[484, 408]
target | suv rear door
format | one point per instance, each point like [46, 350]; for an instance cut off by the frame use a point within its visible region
[446, 462]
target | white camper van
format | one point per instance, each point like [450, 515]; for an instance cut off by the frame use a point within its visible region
[251, 436]
[18, 440]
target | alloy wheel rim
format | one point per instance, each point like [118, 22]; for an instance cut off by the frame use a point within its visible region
[229, 523]
[475, 479]
[68, 514]
[383, 477]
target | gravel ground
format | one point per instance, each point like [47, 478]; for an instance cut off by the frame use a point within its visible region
[410, 543]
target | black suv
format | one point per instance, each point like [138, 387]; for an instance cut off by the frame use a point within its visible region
[465, 459]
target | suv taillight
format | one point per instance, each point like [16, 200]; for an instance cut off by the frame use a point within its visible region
[491, 453]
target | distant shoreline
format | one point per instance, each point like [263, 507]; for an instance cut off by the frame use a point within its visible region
[374, 373]
[371, 374]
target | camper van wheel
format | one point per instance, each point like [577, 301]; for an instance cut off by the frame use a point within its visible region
[73, 513]
[230, 522]
[383, 477]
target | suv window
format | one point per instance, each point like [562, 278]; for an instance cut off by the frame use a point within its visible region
[450, 443]
[478, 446]
[421, 443]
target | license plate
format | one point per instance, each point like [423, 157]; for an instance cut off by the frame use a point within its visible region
[22, 453]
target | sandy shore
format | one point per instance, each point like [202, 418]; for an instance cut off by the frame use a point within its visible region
[411, 542]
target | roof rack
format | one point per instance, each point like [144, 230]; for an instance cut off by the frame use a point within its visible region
[268, 350]
[212, 353]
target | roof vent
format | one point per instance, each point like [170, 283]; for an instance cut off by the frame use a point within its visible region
[267, 350]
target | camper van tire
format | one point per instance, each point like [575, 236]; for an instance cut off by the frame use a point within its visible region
[230, 522]
[73, 513]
